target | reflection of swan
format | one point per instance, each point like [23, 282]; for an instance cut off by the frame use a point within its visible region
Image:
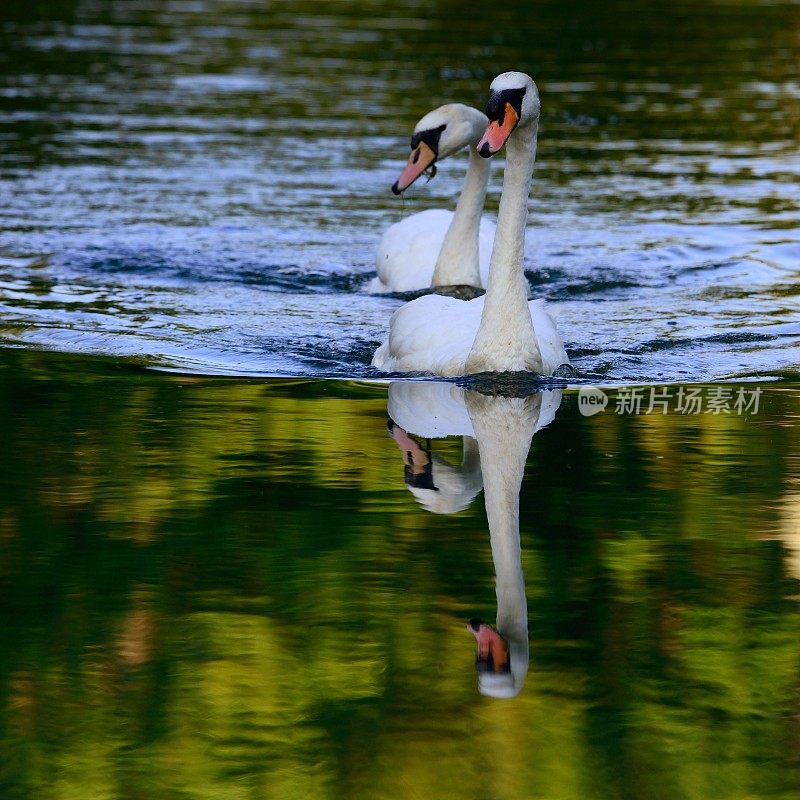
[789, 534]
[502, 331]
[432, 411]
[503, 429]
[438, 248]
[439, 487]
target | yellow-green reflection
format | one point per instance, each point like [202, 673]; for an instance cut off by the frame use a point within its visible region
[224, 589]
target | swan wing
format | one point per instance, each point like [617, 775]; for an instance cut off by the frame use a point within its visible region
[430, 334]
[551, 345]
[408, 251]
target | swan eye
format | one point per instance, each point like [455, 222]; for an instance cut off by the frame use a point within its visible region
[430, 137]
[496, 107]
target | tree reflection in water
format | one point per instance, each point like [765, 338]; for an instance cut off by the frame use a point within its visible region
[223, 587]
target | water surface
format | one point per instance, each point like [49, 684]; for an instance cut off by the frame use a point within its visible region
[226, 588]
[203, 184]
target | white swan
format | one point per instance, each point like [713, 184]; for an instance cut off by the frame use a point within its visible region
[501, 331]
[439, 248]
[501, 429]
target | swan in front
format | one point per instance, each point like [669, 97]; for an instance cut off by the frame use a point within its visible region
[501, 331]
[447, 251]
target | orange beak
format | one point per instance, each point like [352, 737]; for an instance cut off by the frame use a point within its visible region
[492, 647]
[498, 132]
[419, 160]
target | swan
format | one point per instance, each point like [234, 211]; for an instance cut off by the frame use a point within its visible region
[439, 248]
[501, 331]
[501, 429]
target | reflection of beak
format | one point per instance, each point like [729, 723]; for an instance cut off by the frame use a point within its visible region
[420, 159]
[493, 653]
[498, 132]
[417, 462]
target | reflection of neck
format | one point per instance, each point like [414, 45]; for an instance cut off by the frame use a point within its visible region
[458, 261]
[504, 428]
[471, 459]
[505, 341]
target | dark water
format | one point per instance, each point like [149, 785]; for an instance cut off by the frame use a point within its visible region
[202, 184]
[224, 588]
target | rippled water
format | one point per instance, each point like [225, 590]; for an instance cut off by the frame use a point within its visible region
[202, 184]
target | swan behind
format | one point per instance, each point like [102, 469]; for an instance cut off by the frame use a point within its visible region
[439, 248]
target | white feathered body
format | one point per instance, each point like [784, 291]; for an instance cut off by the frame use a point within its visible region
[409, 249]
[435, 334]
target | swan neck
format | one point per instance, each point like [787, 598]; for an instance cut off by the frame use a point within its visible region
[505, 340]
[458, 261]
[504, 428]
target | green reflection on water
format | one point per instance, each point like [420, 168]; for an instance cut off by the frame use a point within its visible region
[223, 589]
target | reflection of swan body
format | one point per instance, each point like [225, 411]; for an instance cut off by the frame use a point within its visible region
[501, 331]
[439, 248]
[434, 410]
[502, 429]
[429, 409]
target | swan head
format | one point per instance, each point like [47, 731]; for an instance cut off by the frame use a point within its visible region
[438, 486]
[493, 662]
[439, 134]
[513, 102]
[450, 489]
